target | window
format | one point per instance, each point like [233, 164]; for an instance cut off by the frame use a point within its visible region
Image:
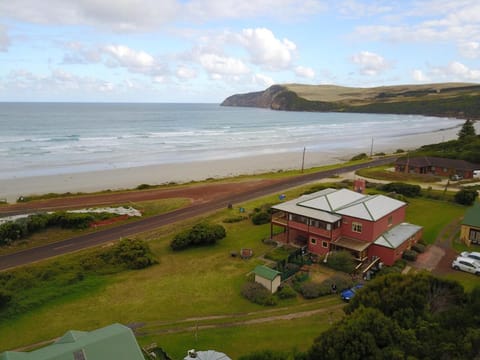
[474, 236]
[325, 244]
[313, 241]
[356, 227]
[390, 220]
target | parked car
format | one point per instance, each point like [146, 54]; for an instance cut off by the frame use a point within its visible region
[466, 264]
[473, 255]
[347, 294]
[457, 177]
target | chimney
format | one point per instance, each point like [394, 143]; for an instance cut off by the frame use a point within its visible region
[359, 185]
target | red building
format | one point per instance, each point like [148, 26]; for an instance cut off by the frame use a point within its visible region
[436, 166]
[368, 226]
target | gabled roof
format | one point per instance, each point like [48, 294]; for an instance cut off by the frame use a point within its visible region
[371, 207]
[111, 342]
[397, 235]
[472, 215]
[328, 204]
[425, 161]
[266, 272]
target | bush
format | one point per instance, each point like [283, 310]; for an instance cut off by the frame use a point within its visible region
[312, 290]
[341, 261]
[361, 156]
[200, 234]
[258, 294]
[402, 188]
[409, 255]
[466, 196]
[260, 218]
[419, 248]
[133, 253]
[286, 292]
[233, 219]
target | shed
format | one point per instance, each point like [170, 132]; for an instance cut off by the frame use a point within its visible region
[115, 341]
[268, 277]
[470, 228]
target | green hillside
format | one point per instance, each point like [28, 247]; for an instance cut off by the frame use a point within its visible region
[445, 99]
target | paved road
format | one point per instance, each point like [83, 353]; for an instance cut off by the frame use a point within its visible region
[130, 229]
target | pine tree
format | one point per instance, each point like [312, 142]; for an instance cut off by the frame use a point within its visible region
[467, 131]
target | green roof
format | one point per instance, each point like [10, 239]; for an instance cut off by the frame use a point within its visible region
[266, 272]
[472, 215]
[111, 342]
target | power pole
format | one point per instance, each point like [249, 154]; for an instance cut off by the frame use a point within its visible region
[303, 158]
[371, 148]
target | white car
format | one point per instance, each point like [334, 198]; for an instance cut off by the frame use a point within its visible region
[466, 264]
[473, 255]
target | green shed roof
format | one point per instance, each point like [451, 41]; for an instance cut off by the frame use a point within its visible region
[111, 342]
[266, 272]
[472, 215]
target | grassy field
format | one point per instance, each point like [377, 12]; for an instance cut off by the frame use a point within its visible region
[198, 282]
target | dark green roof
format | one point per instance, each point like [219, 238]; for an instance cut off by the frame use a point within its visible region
[266, 272]
[111, 342]
[472, 215]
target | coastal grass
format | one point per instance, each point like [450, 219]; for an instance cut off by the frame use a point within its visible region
[387, 174]
[433, 215]
[239, 339]
[197, 282]
[56, 234]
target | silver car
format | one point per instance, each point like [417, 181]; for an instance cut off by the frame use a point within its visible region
[473, 255]
[466, 264]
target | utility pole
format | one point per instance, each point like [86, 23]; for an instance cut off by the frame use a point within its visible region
[371, 148]
[303, 158]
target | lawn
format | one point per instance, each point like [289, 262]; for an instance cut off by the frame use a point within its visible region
[195, 283]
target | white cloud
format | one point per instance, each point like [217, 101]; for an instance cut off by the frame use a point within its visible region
[262, 80]
[117, 15]
[185, 73]
[142, 15]
[370, 64]
[419, 76]
[266, 50]
[129, 58]
[456, 71]
[217, 65]
[305, 72]
[355, 8]
[470, 49]
[4, 39]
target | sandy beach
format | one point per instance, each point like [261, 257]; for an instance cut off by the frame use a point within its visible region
[11, 189]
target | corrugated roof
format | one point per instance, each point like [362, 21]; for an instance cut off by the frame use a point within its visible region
[371, 207]
[111, 342]
[266, 272]
[351, 244]
[332, 200]
[424, 161]
[472, 215]
[397, 235]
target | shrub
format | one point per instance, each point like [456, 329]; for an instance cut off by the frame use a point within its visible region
[402, 188]
[5, 298]
[341, 261]
[311, 290]
[133, 253]
[233, 219]
[258, 294]
[409, 255]
[419, 248]
[286, 292]
[361, 156]
[341, 281]
[260, 218]
[200, 234]
[466, 196]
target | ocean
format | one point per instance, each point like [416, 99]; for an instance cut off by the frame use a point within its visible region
[61, 138]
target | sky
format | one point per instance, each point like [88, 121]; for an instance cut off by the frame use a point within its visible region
[207, 50]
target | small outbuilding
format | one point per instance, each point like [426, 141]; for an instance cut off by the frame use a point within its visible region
[268, 277]
[470, 229]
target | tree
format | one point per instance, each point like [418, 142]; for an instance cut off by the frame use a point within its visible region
[467, 131]
[466, 196]
[133, 253]
[200, 234]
